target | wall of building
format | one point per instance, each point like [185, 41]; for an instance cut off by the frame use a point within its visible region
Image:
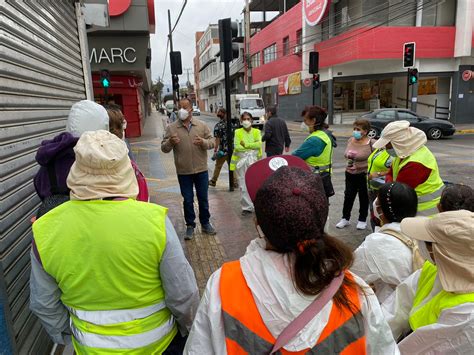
[286, 25]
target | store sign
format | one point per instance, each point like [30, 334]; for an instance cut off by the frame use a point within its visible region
[118, 7]
[467, 75]
[314, 10]
[113, 55]
[289, 84]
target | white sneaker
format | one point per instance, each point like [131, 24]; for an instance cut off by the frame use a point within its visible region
[361, 225]
[343, 223]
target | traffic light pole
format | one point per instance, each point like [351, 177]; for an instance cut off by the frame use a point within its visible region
[230, 138]
[170, 38]
[408, 86]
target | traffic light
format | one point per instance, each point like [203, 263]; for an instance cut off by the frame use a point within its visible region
[175, 83]
[175, 60]
[316, 82]
[408, 54]
[313, 62]
[228, 32]
[105, 78]
[412, 76]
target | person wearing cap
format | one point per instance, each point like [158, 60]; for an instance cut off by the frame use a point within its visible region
[252, 305]
[436, 303]
[387, 256]
[247, 150]
[56, 156]
[317, 148]
[190, 139]
[414, 164]
[107, 269]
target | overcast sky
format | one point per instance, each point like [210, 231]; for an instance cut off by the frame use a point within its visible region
[197, 15]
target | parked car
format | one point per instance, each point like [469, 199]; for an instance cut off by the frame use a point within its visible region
[196, 111]
[434, 128]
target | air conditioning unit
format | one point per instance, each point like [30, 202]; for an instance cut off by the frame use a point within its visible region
[297, 50]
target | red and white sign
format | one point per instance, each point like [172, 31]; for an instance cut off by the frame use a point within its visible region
[118, 7]
[467, 75]
[307, 82]
[283, 85]
[314, 10]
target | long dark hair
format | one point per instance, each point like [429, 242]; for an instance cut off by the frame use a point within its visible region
[397, 201]
[292, 208]
[316, 113]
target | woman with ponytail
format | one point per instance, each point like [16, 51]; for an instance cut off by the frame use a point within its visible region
[292, 292]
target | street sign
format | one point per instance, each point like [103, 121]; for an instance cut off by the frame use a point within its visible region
[307, 82]
[408, 54]
[314, 10]
[467, 75]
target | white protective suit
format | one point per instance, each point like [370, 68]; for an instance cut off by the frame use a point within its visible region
[453, 334]
[383, 260]
[267, 275]
[247, 158]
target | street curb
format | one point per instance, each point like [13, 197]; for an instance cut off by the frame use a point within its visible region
[465, 131]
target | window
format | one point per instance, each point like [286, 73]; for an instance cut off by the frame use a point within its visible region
[407, 116]
[388, 115]
[269, 54]
[256, 60]
[299, 37]
[286, 46]
[251, 104]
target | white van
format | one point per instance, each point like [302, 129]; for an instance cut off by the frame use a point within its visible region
[251, 103]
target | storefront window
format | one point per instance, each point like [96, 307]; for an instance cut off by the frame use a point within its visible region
[344, 96]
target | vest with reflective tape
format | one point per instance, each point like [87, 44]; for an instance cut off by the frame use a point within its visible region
[324, 160]
[423, 314]
[429, 192]
[378, 161]
[105, 257]
[241, 134]
[246, 332]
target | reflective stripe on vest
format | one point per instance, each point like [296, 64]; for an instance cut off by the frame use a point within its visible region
[424, 312]
[433, 185]
[116, 316]
[323, 161]
[246, 332]
[123, 342]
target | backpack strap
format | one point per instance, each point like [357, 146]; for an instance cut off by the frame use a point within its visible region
[417, 259]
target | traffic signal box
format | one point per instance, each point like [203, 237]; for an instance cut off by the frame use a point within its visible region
[412, 76]
[105, 78]
[228, 32]
[408, 54]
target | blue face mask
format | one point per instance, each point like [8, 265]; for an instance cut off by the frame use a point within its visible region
[357, 135]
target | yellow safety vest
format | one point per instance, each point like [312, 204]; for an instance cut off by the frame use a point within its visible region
[322, 162]
[378, 161]
[105, 257]
[429, 192]
[428, 313]
[252, 137]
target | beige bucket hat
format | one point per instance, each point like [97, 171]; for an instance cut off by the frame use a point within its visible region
[102, 168]
[405, 139]
[452, 235]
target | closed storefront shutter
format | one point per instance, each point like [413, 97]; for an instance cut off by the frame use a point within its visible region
[41, 76]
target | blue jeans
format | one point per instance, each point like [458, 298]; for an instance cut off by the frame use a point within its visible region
[201, 182]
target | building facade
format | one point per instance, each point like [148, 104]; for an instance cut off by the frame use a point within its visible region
[123, 48]
[360, 45]
[209, 71]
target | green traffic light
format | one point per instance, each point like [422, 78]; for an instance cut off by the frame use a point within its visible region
[105, 83]
[414, 79]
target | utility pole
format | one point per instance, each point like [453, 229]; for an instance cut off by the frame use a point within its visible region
[187, 73]
[174, 77]
[248, 62]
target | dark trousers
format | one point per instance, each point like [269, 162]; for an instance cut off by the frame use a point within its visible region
[274, 151]
[186, 184]
[176, 346]
[356, 184]
[217, 170]
[372, 196]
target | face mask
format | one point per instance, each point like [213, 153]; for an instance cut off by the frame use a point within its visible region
[183, 114]
[357, 135]
[424, 251]
[376, 213]
[246, 124]
[304, 127]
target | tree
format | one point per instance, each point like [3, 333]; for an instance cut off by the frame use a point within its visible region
[156, 90]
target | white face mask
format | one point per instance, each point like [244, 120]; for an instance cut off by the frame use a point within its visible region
[376, 213]
[424, 251]
[304, 127]
[183, 114]
[246, 124]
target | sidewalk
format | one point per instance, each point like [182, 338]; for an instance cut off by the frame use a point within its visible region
[205, 253]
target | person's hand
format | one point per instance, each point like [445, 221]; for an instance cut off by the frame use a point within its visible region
[242, 143]
[174, 139]
[198, 141]
[287, 149]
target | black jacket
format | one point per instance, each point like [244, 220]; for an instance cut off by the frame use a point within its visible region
[276, 136]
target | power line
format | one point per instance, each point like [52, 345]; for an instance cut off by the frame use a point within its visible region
[166, 58]
[179, 16]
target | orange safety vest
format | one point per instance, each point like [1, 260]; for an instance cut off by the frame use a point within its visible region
[246, 333]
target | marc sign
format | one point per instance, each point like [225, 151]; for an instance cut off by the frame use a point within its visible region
[314, 10]
[113, 55]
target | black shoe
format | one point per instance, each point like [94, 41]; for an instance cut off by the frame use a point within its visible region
[189, 233]
[208, 229]
[212, 183]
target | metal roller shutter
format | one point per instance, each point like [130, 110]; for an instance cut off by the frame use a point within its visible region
[41, 76]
